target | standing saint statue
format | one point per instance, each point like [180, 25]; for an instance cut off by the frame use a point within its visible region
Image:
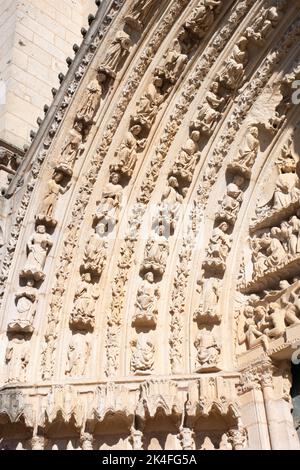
[38, 246]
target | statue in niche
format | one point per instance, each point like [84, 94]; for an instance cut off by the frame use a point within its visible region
[70, 150]
[108, 209]
[127, 153]
[146, 302]
[264, 23]
[48, 203]
[231, 203]
[186, 438]
[208, 310]
[95, 252]
[208, 351]
[219, 247]
[148, 106]
[247, 153]
[115, 54]
[174, 63]
[91, 99]
[186, 161]
[136, 439]
[26, 304]
[170, 205]
[78, 355]
[202, 17]
[17, 359]
[156, 252]
[39, 245]
[232, 75]
[139, 12]
[208, 113]
[142, 360]
[83, 314]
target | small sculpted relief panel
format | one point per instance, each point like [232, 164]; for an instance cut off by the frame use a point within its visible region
[140, 12]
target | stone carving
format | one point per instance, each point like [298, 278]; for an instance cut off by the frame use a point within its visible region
[136, 439]
[208, 114]
[91, 99]
[174, 62]
[126, 155]
[95, 253]
[142, 360]
[148, 106]
[87, 440]
[25, 302]
[230, 204]
[17, 359]
[264, 23]
[116, 53]
[238, 438]
[220, 244]
[156, 252]
[233, 74]
[48, 204]
[247, 154]
[139, 12]
[208, 351]
[251, 326]
[186, 161]
[78, 355]
[209, 310]
[39, 245]
[169, 208]
[186, 438]
[109, 206]
[202, 17]
[72, 147]
[146, 302]
[83, 314]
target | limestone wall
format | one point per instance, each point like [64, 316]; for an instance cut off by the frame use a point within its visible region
[36, 37]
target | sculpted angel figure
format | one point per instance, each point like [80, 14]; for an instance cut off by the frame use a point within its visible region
[91, 99]
[146, 301]
[39, 245]
[208, 113]
[202, 17]
[127, 152]
[142, 360]
[116, 53]
[139, 12]
[70, 150]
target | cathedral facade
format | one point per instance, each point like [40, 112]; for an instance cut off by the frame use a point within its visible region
[150, 237]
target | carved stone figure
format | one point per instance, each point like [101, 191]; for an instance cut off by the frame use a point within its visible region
[17, 358]
[25, 303]
[208, 311]
[187, 159]
[265, 22]
[231, 203]
[126, 155]
[83, 314]
[156, 252]
[136, 439]
[281, 316]
[238, 438]
[275, 250]
[202, 17]
[208, 351]
[169, 207]
[186, 438]
[252, 325]
[91, 99]
[109, 206]
[232, 75]
[39, 245]
[148, 106]
[115, 54]
[78, 355]
[95, 253]
[48, 204]
[174, 62]
[146, 302]
[70, 150]
[142, 360]
[219, 247]
[208, 113]
[247, 153]
[139, 12]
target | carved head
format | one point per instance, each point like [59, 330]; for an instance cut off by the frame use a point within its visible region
[239, 180]
[254, 131]
[224, 226]
[78, 126]
[215, 87]
[58, 176]
[114, 178]
[136, 130]
[173, 182]
[158, 81]
[195, 136]
[41, 229]
[101, 76]
[149, 277]
[86, 277]
[242, 43]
